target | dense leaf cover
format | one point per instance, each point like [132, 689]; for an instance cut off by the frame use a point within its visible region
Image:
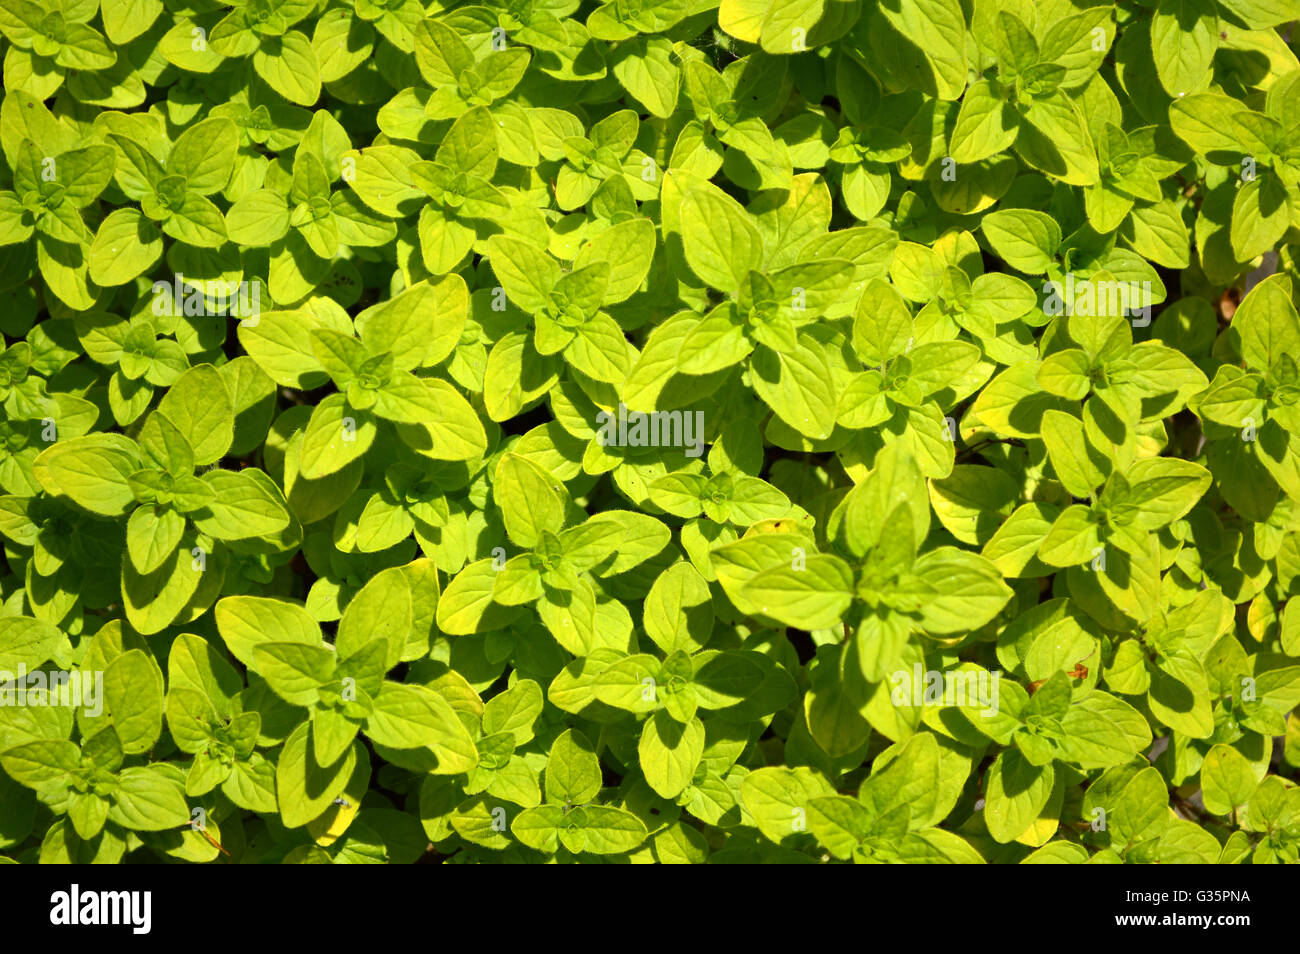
[653, 431]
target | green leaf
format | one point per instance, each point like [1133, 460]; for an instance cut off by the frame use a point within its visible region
[669, 752]
[678, 612]
[1025, 239]
[204, 155]
[1101, 731]
[721, 241]
[247, 621]
[91, 470]
[1267, 324]
[779, 799]
[402, 326]
[243, 506]
[1260, 216]
[1227, 780]
[26, 642]
[531, 500]
[43, 765]
[572, 770]
[797, 385]
[200, 407]
[812, 593]
[1184, 37]
[1054, 138]
[986, 125]
[289, 65]
[412, 716]
[936, 28]
[148, 799]
[294, 670]
[303, 788]
[133, 690]
[125, 246]
[645, 69]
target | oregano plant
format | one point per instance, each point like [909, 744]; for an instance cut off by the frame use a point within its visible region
[656, 431]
